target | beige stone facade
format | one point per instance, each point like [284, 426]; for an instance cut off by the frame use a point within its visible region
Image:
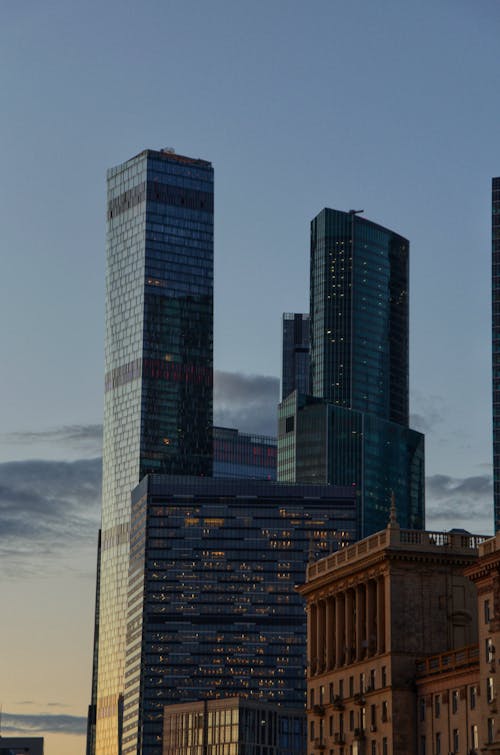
[374, 609]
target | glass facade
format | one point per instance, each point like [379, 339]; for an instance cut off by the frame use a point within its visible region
[158, 364]
[353, 429]
[295, 354]
[320, 442]
[359, 315]
[495, 243]
[243, 455]
[233, 726]
[212, 608]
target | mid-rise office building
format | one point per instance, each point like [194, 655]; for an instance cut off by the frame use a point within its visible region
[244, 455]
[495, 244]
[295, 369]
[360, 367]
[159, 370]
[235, 726]
[212, 608]
[21, 745]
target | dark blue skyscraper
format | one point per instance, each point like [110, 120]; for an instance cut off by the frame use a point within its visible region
[159, 365]
[353, 430]
[495, 244]
[295, 363]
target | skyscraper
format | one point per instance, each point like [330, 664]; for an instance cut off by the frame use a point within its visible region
[495, 246]
[159, 368]
[353, 430]
[295, 354]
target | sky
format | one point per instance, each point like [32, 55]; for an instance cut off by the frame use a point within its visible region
[391, 106]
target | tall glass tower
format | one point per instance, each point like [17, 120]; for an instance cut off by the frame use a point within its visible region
[159, 370]
[495, 244]
[354, 430]
[295, 363]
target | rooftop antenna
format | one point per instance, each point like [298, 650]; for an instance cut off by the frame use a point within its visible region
[355, 212]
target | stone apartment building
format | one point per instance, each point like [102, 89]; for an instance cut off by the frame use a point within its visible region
[401, 645]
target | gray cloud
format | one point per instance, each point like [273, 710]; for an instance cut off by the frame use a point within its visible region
[86, 438]
[430, 412]
[247, 402]
[458, 501]
[46, 507]
[25, 723]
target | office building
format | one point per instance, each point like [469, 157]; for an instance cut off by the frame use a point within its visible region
[212, 608]
[244, 455]
[159, 370]
[495, 245]
[357, 429]
[320, 442]
[295, 363]
[384, 615]
[21, 745]
[233, 725]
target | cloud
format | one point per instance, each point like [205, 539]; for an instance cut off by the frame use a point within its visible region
[460, 501]
[46, 508]
[43, 723]
[84, 438]
[430, 412]
[247, 402]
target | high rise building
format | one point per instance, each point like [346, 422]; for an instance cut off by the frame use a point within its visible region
[353, 430]
[295, 354]
[212, 609]
[244, 455]
[495, 244]
[159, 368]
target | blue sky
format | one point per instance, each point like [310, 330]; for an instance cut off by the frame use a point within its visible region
[390, 106]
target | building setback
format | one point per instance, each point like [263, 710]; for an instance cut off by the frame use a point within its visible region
[295, 362]
[159, 365]
[212, 607]
[495, 247]
[354, 427]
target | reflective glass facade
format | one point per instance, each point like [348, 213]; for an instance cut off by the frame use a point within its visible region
[295, 354]
[244, 455]
[233, 726]
[320, 442]
[359, 315]
[159, 365]
[495, 243]
[212, 609]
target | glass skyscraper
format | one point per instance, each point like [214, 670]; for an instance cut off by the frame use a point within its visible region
[212, 610]
[244, 455]
[158, 370]
[353, 430]
[295, 360]
[495, 244]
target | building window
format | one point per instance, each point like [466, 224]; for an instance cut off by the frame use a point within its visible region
[372, 679]
[438, 744]
[490, 651]
[351, 686]
[321, 694]
[361, 684]
[472, 697]
[487, 617]
[311, 736]
[490, 689]
[330, 726]
[341, 725]
[373, 717]
[385, 712]
[351, 720]
[374, 747]
[331, 692]
[491, 730]
[384, 676]
[385, 750]
[311, 697]
[423, 747]
[341, 689]
[455, 740]
[437, 706]
[454, 701]
[474, 736]
[421, 708]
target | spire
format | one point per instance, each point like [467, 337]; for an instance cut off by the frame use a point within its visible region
[393, 522]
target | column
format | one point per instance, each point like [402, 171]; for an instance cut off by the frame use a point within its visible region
[371, 622]
[360, 622]
[339, 630]
[381, 615]
[321, 625]
[312, 634]
[330, 633]
[349, 628]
